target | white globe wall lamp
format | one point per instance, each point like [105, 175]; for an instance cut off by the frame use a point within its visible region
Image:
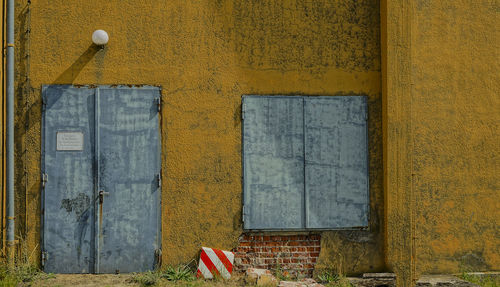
[100, 38]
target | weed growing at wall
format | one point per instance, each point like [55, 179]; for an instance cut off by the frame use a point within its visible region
[483, 280]
[179, 273]
[333, 279]
[22, 269]
[280, 273]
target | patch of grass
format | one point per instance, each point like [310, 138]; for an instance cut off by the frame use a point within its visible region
[484, 281]
[333, 275]
[342, 282]
[333, 279]
[21, 270]
[7, 280]
[179, 273]
[149, 278]
[328, 277]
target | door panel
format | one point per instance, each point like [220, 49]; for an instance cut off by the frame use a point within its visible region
[68, 192]
[129, 166]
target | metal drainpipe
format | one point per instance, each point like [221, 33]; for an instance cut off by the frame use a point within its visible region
[10, 130]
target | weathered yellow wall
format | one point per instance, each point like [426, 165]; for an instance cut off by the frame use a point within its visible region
[441, 150]
[456, 137]
[205, 55]
[441, 136]
[396, 18]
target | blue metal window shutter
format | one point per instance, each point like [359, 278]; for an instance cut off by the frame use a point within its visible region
[336, 162]
[305, 162]
[273, 162]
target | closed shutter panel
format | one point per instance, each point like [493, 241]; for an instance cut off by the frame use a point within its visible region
[336, 162]
[273, 162]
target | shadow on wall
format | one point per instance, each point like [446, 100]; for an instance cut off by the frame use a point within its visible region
[70, 74]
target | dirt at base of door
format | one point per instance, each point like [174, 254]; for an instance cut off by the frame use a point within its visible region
[87, 280]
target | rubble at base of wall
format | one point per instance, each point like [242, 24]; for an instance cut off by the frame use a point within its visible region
[264, 277]
[389, 280]
[443, 280]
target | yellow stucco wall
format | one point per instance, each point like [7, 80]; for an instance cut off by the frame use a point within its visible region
[440, 112]
[396, 18]
[205, 55]
[441, 136]
[455, 125]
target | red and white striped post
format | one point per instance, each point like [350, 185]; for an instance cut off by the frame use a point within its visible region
[215, 262]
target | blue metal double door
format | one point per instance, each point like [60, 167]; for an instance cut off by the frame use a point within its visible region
[101, 179]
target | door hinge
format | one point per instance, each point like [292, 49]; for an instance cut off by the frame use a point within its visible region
[158, 103]
[366, 115]
[45, 179]
[158, 177]
[45, 257]
[243, 111]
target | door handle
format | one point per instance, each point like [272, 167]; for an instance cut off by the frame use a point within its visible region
[102, 193]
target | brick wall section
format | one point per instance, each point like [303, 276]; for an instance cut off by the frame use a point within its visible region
[296, 254]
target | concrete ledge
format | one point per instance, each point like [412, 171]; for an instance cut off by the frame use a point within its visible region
[443, 280]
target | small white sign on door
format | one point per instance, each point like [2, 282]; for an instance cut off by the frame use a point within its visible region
[69, 141]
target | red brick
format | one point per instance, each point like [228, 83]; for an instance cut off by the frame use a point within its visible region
[315, 254]
[270, 261]
[270, 244]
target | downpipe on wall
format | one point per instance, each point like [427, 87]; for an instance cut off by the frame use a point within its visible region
[10, 133]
